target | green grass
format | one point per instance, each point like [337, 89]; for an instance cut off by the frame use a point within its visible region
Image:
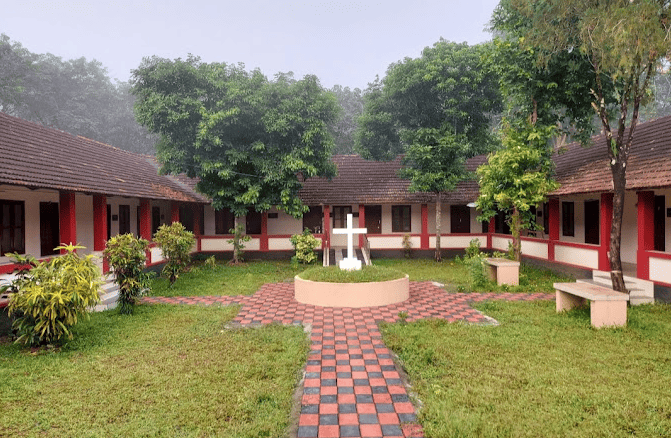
[540, 373]
[455, 275]
[225, 279]
[165, 371]
[367, 274]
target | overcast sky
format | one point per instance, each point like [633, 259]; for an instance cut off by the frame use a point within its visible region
[342, 42]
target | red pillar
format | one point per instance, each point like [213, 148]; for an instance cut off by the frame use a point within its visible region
[606, 220]
[68, 219]
[327, 227]
[553, 232]
[646, 232]
[362, 222]
[100, 226]
[491, 229]
[424, 239]
[145, 220]
[174, 212]
[264, 231]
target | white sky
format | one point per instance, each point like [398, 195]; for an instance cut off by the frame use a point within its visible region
[342, 42]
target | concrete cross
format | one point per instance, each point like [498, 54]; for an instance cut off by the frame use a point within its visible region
[351, 262]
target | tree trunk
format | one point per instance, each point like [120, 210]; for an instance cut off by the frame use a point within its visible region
[438, 255]
[515, 229]
[236, 242]
[619, 184]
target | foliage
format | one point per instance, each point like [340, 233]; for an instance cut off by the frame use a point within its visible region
[53, 296]
[238, 242]
[344, 127]
[367, 274]
[517, 178]
[436, 110]
[538, 373]
[168, 371]
[25, 263]
[211, 262]
[76, 96]
[127, 255]
[305, 244]
[176, 244]
[250, 141]
[473, 249]
[407, 246]
[477, 271]
[622, 45]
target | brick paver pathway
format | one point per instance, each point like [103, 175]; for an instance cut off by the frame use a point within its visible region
[352, 387]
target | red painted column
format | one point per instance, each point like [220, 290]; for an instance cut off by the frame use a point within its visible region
[68, 219]
[362, 222]
[327, 227]
[424, 239]
[264, 231]
[100, 226]
[490, 232]
[646, 232]
[553, 220]
[174, 212]
[606, 220]
[145, 220]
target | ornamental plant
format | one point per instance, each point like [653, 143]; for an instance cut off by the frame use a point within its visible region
[53, 295]
[175, 243]
[126, 255]
[305, 244]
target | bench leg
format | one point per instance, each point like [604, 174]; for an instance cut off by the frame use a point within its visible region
[491, 272]
[508, 275]
[608, 313]
[566, 301]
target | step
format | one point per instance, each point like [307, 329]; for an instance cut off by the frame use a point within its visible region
[640, 291]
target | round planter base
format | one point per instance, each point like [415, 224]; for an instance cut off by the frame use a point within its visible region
[372, 294]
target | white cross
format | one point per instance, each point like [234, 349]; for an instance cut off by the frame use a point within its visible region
[350, 262]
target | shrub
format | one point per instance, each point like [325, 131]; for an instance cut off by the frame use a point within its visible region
[126, 255]
[476, 267]
[175, 243]
[305, 244]
[407, 246]
[473, 249]
[238, 242]
[53, 295]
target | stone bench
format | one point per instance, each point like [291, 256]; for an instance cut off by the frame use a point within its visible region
[503, 271]
[607, 307]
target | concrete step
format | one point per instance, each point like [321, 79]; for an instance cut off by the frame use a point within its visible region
[640, 291]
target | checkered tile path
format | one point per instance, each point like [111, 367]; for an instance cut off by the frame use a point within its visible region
[352, 387]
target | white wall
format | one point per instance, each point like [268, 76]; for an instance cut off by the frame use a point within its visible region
[84, 217]
[287, 224]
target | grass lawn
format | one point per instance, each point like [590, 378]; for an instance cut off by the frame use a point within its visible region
[225, 279]
[165, 371]
[540, 374]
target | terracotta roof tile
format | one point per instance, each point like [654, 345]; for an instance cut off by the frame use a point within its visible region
[35, 156]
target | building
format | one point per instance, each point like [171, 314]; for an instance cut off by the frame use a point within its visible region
[55, 187]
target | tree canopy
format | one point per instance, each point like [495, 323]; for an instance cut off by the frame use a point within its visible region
[251, 141]
[344, 127]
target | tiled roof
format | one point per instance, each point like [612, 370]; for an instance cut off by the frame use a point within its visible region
[32, 155]
[376, 182]
[585, 169]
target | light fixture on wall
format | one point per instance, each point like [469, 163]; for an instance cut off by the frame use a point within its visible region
[472, 205]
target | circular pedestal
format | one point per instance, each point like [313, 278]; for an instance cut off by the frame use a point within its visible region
[373, 294]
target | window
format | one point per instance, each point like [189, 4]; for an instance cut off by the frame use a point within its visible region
[12, 227]
[567, 221]
[340, 216]
[312, 220]
[186, 217]
[124, 219]
[253, 222]
[400, 218]
[224, 221]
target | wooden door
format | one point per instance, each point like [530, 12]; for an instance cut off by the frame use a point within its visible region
[592, 219]
[49, 228]
[373, 218]
[660, 223]
[460, 219]
[124, 219]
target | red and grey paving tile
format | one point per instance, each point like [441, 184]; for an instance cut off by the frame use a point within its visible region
[351, 386]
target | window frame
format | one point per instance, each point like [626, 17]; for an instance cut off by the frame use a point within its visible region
[13, 227]
[398, 216]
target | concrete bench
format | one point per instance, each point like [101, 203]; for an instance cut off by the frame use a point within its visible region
[607, 307]
[503, 271]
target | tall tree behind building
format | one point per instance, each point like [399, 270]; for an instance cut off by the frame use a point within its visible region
[76, 96]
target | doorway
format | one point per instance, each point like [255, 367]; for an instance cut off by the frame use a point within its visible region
[49, 228]
[592, 219]
[660, 223]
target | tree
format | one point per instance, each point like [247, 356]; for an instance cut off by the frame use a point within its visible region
[344, 127]
[250, 141]
[517, 178]
[436, 110]
[623, 43]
